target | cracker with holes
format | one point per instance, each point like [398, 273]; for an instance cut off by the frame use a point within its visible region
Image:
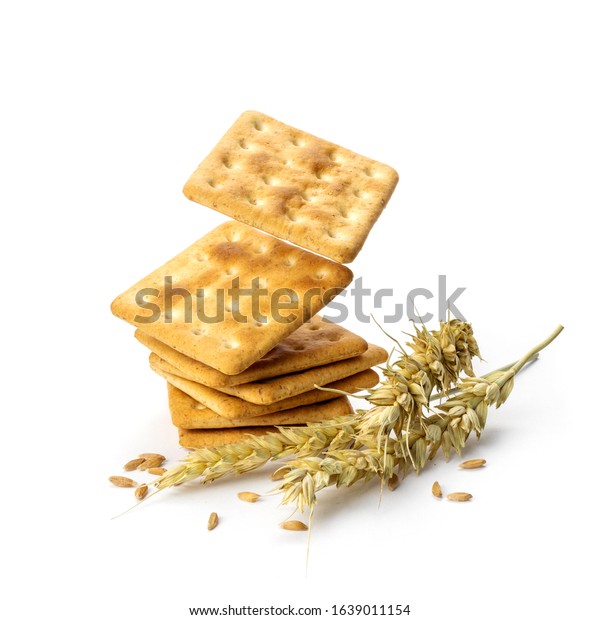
[230, 297]
[278, 388]
[236, 408]
[294, 185]
[315, 343]
[183, 406]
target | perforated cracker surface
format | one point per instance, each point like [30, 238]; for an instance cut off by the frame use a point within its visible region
[294, 185]
[206, 324]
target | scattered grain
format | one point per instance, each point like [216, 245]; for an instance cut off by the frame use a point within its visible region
[152, 455]
[459, 497]
[473, 464]
[213, 520]
[150, 463]
[294, 526]
[133, 464]
[247, 496]
[122, 481]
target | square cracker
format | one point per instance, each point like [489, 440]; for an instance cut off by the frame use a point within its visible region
[206, 271]
[205, 438]
[215, 437]
[183, 406]
[278, 388]
[315, 343]
[294, 185]
[236, 408]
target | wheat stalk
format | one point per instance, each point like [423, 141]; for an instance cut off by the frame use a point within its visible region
[449, 427]
[255, 451]
[437, 360]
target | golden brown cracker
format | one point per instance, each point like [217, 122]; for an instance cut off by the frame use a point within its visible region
[236, 408]
[186, 310]
[183, 406]
[278, 388]
[212, 438]
[315, 343]
[293, 185]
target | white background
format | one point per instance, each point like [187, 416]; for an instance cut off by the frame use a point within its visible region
[489, 111]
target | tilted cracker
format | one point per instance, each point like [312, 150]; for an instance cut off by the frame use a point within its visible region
[235, 408]
[278, 388]
[293, 185]
[231, 253]
[183, 407]
[315, 343]
[212, 438]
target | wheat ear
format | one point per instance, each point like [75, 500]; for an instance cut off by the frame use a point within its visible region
[255, 451]
[449, 427]
[436, 361]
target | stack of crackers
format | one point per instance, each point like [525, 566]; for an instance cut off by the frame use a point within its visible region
[231, 321]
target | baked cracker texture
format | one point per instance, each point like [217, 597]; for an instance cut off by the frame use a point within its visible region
[233, 255]
[278, 388]
[293, 185]
[236, 408]
[315, 343]
[183, 406]
[212, 438]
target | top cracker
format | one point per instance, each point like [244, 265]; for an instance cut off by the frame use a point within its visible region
[231, 296]
[293, 185]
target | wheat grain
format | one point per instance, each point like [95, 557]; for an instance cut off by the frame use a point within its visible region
[473, 464]
[133, 464]
[122, 481]
[248, 496]
[141, 491]
[436, 489]
[152, 462]
[294, 526]
[459, 496]
[152, 455]
[213, 521]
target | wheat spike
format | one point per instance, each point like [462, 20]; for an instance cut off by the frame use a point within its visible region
[449, 427]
